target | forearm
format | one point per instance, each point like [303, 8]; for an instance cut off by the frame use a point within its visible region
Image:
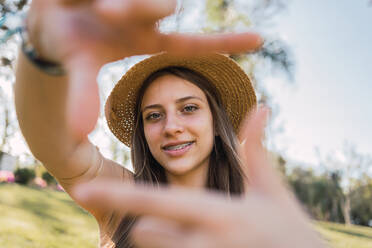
[40, 102]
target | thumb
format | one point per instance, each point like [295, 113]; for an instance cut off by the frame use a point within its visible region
[83, 95]
[262, 177]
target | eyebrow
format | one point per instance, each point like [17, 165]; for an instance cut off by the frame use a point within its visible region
[183, 99]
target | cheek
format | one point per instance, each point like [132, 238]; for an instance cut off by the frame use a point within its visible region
[203, 126]
[152, 136]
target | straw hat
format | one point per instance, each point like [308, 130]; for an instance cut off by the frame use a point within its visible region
[234, 86]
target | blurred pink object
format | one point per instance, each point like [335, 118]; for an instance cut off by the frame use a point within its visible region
[60, 188]
[7, 177]
[40, 182]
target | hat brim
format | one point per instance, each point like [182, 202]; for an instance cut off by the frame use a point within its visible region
[234, 86]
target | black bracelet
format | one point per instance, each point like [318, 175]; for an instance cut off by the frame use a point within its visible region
[14, 22]
[48, 67]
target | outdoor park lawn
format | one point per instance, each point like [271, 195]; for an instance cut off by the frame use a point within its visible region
[41, 218]
[44, 218]
[341, 236]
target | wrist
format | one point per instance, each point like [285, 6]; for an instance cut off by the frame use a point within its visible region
[47, 66]
[34, 55]
[16, 23]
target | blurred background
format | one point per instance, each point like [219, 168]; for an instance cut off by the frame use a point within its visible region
[314, 71]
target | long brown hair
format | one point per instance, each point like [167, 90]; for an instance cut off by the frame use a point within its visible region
[224, 174]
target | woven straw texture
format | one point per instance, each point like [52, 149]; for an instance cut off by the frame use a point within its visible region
[235, 88]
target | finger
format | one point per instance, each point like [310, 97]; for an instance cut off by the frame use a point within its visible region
[243, 136]
[253, 126]
[82, 109]
[199, 44]
[180, 205]
[151, 232]
[261, 175]
[263, 178]
[142, 11]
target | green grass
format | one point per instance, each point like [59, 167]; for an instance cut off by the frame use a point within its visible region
[341, 236]
[44, 218]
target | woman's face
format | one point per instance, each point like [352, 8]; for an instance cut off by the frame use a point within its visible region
[178, 125]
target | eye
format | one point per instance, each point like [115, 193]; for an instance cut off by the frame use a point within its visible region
[190, 108]
[153, 116]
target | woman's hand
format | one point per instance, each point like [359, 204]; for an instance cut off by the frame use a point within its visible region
[85, 34]
[268, 216]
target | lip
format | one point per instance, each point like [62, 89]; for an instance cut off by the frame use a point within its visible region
[180, 152]
[176, 143]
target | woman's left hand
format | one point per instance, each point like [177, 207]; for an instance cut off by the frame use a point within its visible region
[268, 216]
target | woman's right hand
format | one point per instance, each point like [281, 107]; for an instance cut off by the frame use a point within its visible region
[85, 34]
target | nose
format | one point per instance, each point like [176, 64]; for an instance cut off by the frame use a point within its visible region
[173, 125]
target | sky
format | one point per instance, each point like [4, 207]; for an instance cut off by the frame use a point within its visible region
[328, 102]
[330, 99]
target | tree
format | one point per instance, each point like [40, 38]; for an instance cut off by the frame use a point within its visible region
[275, 56]
[321, 194]
[5, 119]
[352, 166]
[8, 50]
[361, 209]
[232, 16]
[24, 175]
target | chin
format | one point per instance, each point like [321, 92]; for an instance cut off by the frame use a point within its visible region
[178, 168]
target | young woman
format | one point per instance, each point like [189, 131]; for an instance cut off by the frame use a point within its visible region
[180, 116]
[175, 113]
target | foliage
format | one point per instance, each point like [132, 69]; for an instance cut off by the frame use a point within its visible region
[13, 5]
[229, 15]
[8, 29]
[24, 175]
[222, 16]
[320, 194]
[361, 208]
[278, 54]
[8, 51]
[323, 196]
[48, 178]
[352, 166]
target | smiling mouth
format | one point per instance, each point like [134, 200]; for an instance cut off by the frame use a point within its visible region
[178, 147]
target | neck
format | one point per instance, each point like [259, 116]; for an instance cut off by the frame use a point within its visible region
[196, 178]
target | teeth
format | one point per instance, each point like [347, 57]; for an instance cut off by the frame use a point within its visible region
[177, 147]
